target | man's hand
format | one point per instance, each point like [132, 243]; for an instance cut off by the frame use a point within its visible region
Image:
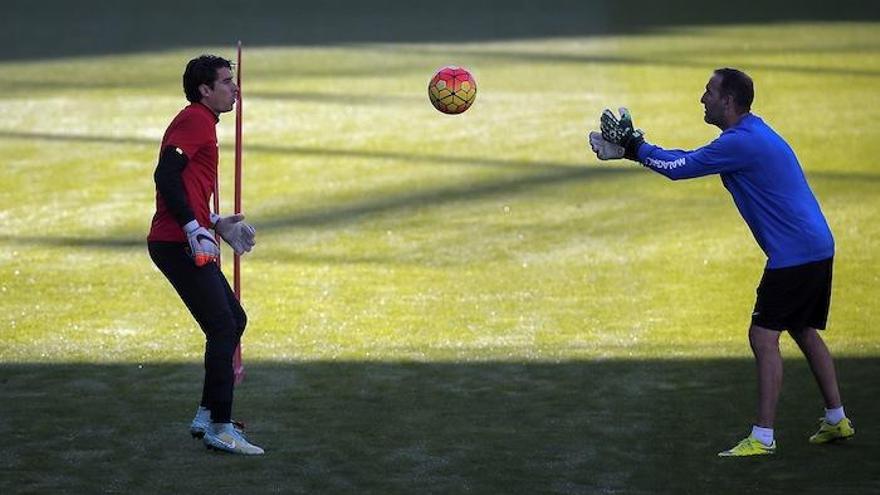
[605, 150]
[238, 234]
[202, 246]
[621, 132]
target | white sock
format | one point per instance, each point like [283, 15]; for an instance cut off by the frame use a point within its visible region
[203, 413]
[764, 435]
[219, 428]
[833, 416]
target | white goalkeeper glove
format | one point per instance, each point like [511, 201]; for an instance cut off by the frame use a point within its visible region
[202, 247]
[605, 150]
[239, 235]
[621, 132]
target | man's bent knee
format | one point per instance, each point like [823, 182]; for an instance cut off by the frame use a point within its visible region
[763, 340]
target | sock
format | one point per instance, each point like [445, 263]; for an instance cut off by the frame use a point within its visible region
[219, 428]
[833, 416]
[764, 435]
[203, 413]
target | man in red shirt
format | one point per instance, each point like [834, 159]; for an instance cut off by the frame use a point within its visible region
[183, 248]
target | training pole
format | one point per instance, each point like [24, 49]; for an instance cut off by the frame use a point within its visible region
[237, 365]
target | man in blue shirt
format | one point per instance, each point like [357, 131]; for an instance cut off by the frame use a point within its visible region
[768, 186]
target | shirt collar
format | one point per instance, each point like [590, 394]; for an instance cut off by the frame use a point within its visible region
[205, 108]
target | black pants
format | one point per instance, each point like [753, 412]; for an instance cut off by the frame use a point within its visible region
[212, 303]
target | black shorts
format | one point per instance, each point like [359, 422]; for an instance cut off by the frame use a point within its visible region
[794, 297]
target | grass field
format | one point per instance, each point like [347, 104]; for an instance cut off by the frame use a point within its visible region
[437, 304]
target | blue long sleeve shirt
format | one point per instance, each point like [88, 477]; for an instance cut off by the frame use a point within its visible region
[768, 187]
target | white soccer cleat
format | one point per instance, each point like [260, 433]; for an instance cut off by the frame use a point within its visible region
[225, 438]
[200, 423]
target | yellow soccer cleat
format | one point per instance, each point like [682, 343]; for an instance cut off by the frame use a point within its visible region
[830, 433]
[749, 446]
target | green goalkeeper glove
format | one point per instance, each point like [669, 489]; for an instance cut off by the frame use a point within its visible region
[621, 132]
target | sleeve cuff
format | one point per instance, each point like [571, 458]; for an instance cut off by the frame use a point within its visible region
[191, 226]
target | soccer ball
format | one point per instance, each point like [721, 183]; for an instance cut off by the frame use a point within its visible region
[452, 90]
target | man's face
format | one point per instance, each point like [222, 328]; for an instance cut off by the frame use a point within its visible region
[714, 103]
[221, 98]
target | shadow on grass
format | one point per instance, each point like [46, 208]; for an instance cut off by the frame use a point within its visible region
[606, 426]
[529, 175]
[55, 28]
[330, 216]
[438, 196]
[429, 197]
[295, 151]
[541, 174]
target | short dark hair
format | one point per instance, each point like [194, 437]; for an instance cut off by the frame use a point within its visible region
[202, 70]
[737, 84]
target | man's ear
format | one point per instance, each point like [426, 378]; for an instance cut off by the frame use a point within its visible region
[728, 101]
[204, 90]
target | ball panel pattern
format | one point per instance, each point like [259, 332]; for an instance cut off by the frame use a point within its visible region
[452, 90]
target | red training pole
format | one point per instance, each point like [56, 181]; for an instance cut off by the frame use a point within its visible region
[217, 209]
[238, 118]
[237, 365]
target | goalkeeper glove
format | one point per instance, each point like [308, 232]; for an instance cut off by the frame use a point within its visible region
[621, 132]
[202, 247]
[605, 150]
[238, 234]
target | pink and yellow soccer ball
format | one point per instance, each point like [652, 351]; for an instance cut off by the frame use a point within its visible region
[452, 90]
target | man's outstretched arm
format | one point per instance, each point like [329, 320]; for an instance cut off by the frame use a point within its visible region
[620, 139]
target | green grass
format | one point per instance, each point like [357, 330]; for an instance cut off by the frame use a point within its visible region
[437, 304]
[582, 426]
